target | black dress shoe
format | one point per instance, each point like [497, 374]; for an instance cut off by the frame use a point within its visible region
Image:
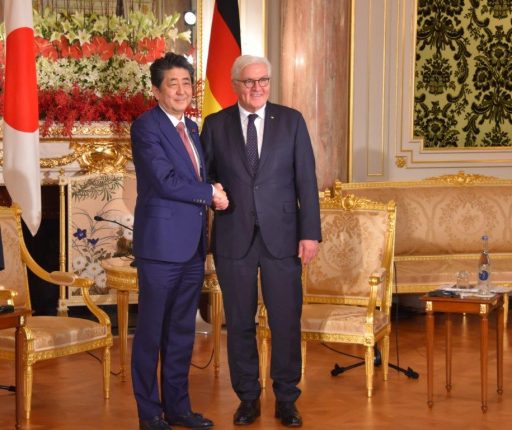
[288, 414]
[247, 412]
[192, 420]
[155, 423]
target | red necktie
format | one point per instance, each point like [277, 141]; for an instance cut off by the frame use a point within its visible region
[188, 145]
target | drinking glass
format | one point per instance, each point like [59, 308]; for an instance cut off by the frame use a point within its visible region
[463, 279]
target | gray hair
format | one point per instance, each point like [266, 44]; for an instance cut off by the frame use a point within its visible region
[246, 60]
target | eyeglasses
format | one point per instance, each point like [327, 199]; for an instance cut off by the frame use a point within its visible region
[249, 83]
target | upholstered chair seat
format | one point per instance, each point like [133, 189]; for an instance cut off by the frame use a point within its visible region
[334, 319]
[48, 333]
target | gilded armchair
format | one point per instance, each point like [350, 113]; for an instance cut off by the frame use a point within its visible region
[347, 288]
[46, 337]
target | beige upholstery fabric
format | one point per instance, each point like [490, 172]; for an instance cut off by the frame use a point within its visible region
[440, 222]
[352, 248]
[447, 219]
[339, 319]
[443, 270]
[56, 332]
[14, 276]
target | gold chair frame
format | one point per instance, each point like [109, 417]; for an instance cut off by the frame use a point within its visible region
[374, 307]
[36, 325]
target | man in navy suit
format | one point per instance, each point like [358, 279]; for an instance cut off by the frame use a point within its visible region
[170, 247]
[261, 153]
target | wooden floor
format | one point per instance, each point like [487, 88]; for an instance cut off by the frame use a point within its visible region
[67, 391]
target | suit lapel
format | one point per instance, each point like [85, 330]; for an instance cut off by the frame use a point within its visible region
[236, 138]
[171, 136]
[193, 132]
[266, 146]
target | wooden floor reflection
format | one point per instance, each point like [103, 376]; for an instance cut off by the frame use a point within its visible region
[67, 392]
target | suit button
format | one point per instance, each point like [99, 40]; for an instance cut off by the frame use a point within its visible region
[200, 213]
[256, 187]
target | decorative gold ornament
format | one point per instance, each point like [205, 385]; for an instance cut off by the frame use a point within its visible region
[102, 156]
[462, 178]
[95, 146]
[400, 162]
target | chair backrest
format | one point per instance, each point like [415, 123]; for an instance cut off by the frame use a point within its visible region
[14, 275]
[447, 214]
[357, 239]
[86, 240]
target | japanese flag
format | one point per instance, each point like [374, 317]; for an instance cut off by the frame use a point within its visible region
[21, 169]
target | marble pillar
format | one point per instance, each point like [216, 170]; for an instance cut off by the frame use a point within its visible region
[314, 77]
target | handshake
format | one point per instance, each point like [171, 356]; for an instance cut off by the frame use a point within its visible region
[220, 198]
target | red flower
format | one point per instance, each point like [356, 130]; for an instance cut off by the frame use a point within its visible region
[148, 50]
[85, 106]
[125, 50]
[103, 48]
[88, 50]
[46, 49]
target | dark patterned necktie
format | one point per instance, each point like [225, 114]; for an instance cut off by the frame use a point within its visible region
[180, 127]
[251, 145]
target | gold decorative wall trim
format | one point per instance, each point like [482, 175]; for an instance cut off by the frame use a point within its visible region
[462, 178]
[400, 162]
[96, 147]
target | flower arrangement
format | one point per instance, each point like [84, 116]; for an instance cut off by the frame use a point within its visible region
[94, 67]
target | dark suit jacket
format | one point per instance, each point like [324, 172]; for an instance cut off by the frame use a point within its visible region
[170, 212]
[284, 192]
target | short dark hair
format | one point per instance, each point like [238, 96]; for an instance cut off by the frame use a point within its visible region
[169, 61]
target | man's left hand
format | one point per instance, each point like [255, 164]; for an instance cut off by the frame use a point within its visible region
[307, 250]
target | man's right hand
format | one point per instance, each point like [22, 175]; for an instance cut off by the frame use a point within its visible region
[220, 199]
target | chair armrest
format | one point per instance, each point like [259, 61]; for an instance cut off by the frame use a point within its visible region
[56, 277]
[376, 280]
[7, 295]
[62, 278]
[70, 279]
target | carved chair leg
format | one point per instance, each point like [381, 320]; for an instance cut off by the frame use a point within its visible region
[27, 395]
[263, 360]
[385, 356]
[368, 358]
[303, 350]
[505, 308]
[106, 372]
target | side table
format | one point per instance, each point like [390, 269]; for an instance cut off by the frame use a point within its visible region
[482, 306]
[16, 320]
[122, 277]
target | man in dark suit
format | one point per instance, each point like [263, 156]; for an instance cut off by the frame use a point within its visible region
[261, 153]
[169, 245]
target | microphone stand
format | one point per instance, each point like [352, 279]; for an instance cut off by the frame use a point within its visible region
[377, 361]
[100, 218]
[8, 388]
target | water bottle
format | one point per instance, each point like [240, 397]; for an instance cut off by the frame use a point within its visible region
[484, 268]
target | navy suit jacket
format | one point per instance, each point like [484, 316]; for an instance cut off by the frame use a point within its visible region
[283, 193]
[170, 213]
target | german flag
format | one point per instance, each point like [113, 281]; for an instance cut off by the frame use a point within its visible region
[223, 50]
